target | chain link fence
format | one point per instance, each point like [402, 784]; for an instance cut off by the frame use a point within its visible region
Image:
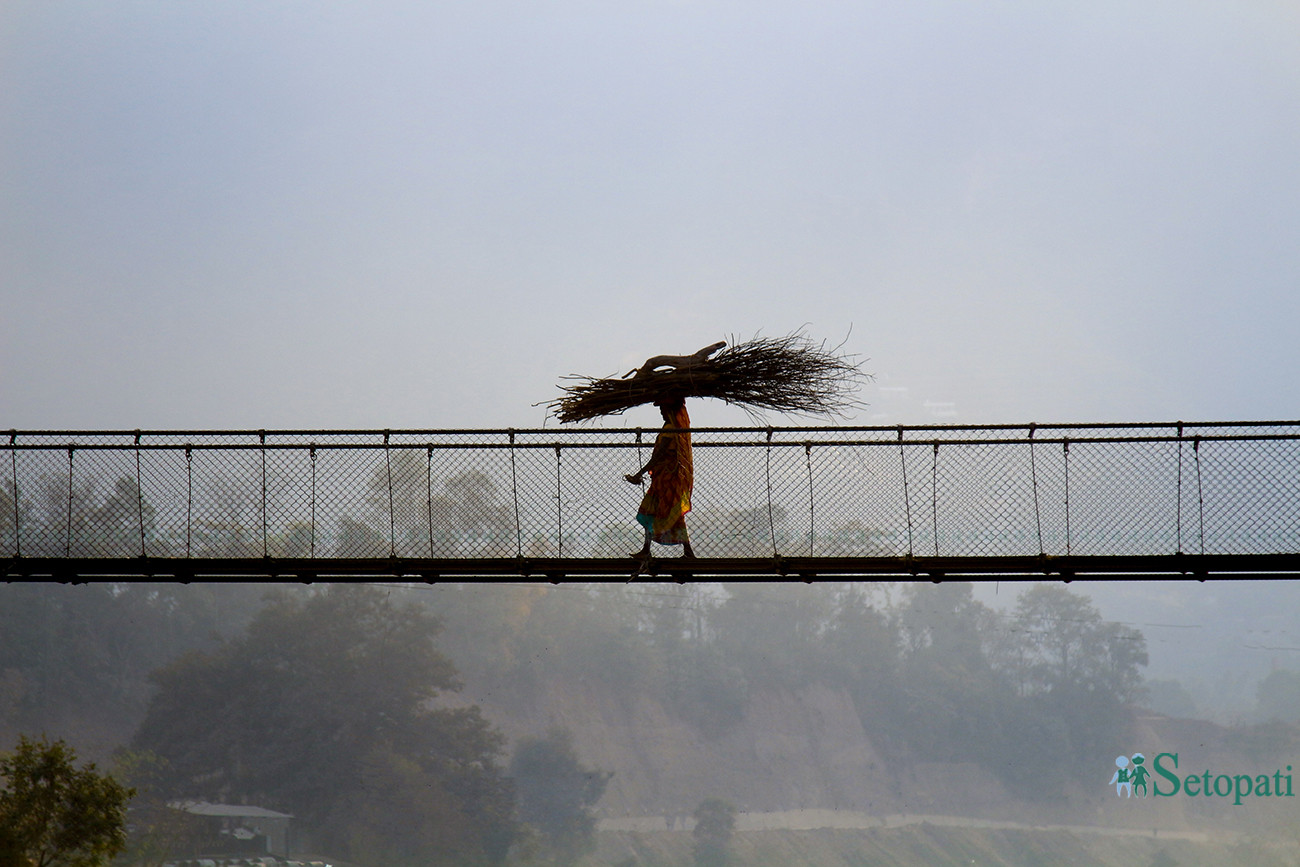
[1138, 489]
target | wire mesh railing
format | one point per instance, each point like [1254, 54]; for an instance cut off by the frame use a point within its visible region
[951, 491]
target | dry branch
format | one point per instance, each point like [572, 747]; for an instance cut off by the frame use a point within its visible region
[788, 374]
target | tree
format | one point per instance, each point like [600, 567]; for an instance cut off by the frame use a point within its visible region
[715, 821]
[773, 633]
[555, 793]
[1163, 859]
[124, 524]
[157, 830]
[1278, 696]
[950, 693]
[861, 653]
[1078, 672]
[10, 519]
[1170, 698]
[53, 814]
[83, 654]
[402, 496]
[321, 707]
[1069, 648]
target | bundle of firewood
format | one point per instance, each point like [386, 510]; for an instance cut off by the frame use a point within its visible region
[790, 374]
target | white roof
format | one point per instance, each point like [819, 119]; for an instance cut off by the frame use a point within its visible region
[236, 811]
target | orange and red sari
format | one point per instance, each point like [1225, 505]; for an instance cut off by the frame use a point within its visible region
[672, 476]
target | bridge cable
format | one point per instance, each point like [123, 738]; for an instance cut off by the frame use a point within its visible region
[907, 499]
[139, 493]
[67, 543]
[1065, 446]
[934, 496]
[807, 452]
[559, 507]
[514, 490]
[1178, 493]
[428, 489]
[639, 462]
[13, 461]
[1033, 480]
[392, 509]
[1200, 497]
[189, 498]
[311, 452]
[262, 436]
[771, 521]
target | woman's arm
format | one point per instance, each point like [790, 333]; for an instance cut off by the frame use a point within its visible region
[657, 459]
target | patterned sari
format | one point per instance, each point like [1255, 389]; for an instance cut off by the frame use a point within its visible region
[672, 476]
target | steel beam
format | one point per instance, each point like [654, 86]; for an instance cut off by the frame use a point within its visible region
[1029, 568]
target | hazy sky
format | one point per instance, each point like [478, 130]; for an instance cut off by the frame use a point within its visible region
[275, 214]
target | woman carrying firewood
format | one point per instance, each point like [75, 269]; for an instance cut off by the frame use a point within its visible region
[672, 476]
[785, 374]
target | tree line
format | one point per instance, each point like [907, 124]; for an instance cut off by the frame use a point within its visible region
[321, 701]
[319, 705]
[934, 673]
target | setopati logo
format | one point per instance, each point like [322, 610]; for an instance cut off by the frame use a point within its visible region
[1132, 778]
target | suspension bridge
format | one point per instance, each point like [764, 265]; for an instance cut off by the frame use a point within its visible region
[1007, 501]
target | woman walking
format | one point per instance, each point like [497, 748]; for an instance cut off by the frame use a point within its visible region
[672, 476]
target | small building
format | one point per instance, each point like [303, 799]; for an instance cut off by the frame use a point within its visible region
[240, 829]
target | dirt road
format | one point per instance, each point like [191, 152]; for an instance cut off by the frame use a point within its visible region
[808, 820]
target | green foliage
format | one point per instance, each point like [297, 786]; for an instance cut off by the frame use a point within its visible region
[1279, 697]
[322, 705]
[772, 633]
[53, 814]
[1170, 698]
[410, 813]
[1069, 648]
[1265, 742]
[157, 831]
[1163, 859]
[951, 695]
[86, 651]
[715, 821]
[346, 674]
[555, 793]
[701, 681]
[1079, 668]
[711, 692]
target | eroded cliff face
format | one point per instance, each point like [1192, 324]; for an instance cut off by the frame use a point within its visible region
[793, 749]
[808, 750]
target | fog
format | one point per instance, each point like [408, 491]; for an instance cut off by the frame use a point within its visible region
[611, 709]
[251, 215]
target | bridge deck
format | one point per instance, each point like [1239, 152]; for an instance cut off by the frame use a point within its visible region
[556, 568]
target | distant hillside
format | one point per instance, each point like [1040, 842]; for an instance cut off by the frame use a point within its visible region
[809, 749]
